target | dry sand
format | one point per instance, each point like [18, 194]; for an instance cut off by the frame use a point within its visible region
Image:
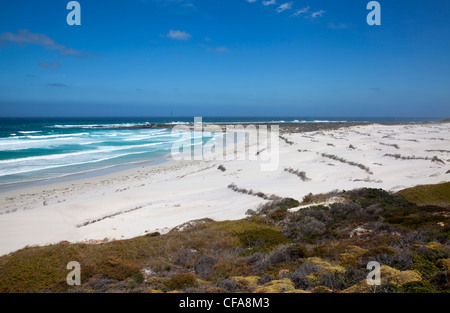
[157, 198]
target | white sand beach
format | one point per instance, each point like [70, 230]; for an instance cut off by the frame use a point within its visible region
[157, 198]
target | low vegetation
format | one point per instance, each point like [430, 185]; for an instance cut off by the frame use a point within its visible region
[289, 142]
[390, 145]
[320, 248]
[413, 157]
[298, 173]
[251, 192]
[438, 195]
[342, 160]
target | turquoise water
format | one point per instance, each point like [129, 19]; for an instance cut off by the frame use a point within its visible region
[42, 149]
[35, 150]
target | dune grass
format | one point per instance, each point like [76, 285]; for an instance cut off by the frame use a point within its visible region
[438, 195]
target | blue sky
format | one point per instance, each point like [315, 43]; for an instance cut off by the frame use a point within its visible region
[230, 58]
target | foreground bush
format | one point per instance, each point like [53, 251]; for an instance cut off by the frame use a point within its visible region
[321, 248]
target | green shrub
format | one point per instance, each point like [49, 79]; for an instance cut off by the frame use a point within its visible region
[278, 215]
[261, 239]
[298, 251]
[118, 269]
[181, 281]
[139, 278]
[416, 287]
[424, 266]
[369, 196]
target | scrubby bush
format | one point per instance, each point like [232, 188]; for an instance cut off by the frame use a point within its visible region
[119, 269]
[298, 251]
[426, 260]
[103, 285]
[278, 215]
[416, 287]
[347, 210]
[401, 260]
[204, 264]
[321, 197]
[289, 142]
[184, 257]
[260, 194]
[333, 280]
[298, 173]
[342, 160]
[300, 276]
[369, 196]
[390, 145]
[317, 213]
[310, 225]
[380, 227]
[413, 237]
[277, 205]
[374, 209]
[353, 275]
[304, 227]
[228, 284]
[264, 279]
[416, 218]
[284, 254]
[262, 239]
[441, 280]
[308, 198]
[181, 281]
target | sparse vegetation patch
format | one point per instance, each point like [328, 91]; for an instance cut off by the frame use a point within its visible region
[298, 173]
[342, 160]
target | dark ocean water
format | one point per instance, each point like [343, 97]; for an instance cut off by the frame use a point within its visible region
[37, 149]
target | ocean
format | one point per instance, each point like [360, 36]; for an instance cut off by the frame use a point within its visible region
[42, 150]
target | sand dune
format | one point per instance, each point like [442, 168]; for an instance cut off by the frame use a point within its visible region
[156, 198]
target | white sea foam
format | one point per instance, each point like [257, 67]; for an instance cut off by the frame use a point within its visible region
[101, 150]
[98, 126]
[56, 136]
[30, 132]
[74, 151]
[35, 168]
[11, 144]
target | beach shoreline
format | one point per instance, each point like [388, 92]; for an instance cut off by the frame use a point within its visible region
[284, 128]
[149, 198]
